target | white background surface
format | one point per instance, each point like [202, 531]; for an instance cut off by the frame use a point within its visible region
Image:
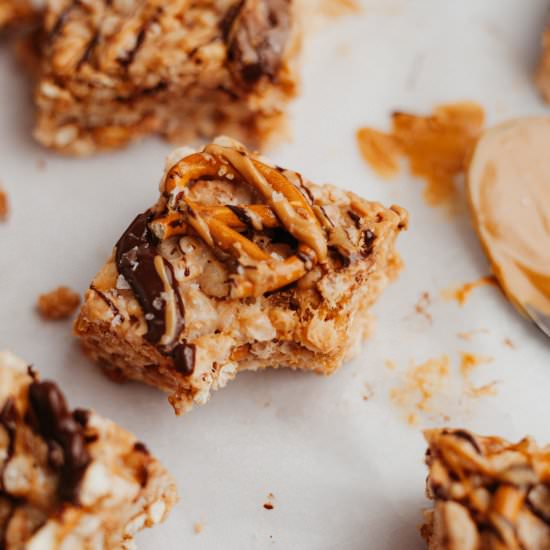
[346, 473]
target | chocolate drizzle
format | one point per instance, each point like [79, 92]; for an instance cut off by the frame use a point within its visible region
[243, 216]
[462, 434]
[50, 417]
[135, 260]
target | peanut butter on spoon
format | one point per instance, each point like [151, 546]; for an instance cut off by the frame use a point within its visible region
[509, 191]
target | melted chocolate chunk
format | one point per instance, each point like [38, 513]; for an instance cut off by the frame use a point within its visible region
[184, 358]
[135, 260]
[256, 33]
[8, 419]
[52, 420]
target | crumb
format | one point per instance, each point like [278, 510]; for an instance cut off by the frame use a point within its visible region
[421, 307]
[41, 164]
[509, 344]
[58, 304]
[463, 292]
[368, 392]
[269, 504]
[468, 363]
[430, 390]
[487, 390]
[422, 383]
[198, 527]
[4, 206]
[437, 147]
[471, 333]
[339, 8]
[390, 365]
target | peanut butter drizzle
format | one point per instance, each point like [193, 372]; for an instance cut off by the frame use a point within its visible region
[437, 147]
[509, 187]
[463, 292]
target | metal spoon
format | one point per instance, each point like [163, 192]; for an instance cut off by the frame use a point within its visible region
[540, 319]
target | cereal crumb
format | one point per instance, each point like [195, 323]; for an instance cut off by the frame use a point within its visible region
[269, 504]
[468, 335]
[421, 307]
[509, 344]
[58, 304]
[198, 527]
[368, 392]
[4, 206]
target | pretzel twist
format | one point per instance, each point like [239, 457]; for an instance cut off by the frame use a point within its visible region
[219, 225]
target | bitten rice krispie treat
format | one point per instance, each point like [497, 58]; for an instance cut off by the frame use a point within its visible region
[70, 479]
[488, 493]
[116, 70]
[240, 265]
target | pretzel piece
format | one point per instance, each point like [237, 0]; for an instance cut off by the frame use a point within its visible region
[219, 225]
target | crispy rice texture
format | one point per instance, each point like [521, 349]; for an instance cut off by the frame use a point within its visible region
[115, 71]
[312, 324]
[488, 493]
[70, 479]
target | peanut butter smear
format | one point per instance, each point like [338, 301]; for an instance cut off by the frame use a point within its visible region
[509, 188]
[437, 147]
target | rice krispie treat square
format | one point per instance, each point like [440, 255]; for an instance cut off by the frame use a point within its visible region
[70, 479]
[116, 70]
[239, 265]
[488, 494]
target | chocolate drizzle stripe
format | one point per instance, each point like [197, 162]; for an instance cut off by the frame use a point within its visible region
[462, 434]
[242, 214]
[107, 301]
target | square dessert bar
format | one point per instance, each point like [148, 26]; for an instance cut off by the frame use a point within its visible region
[116, 70]
[488, 493]
[239, 265]
[70, 479]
